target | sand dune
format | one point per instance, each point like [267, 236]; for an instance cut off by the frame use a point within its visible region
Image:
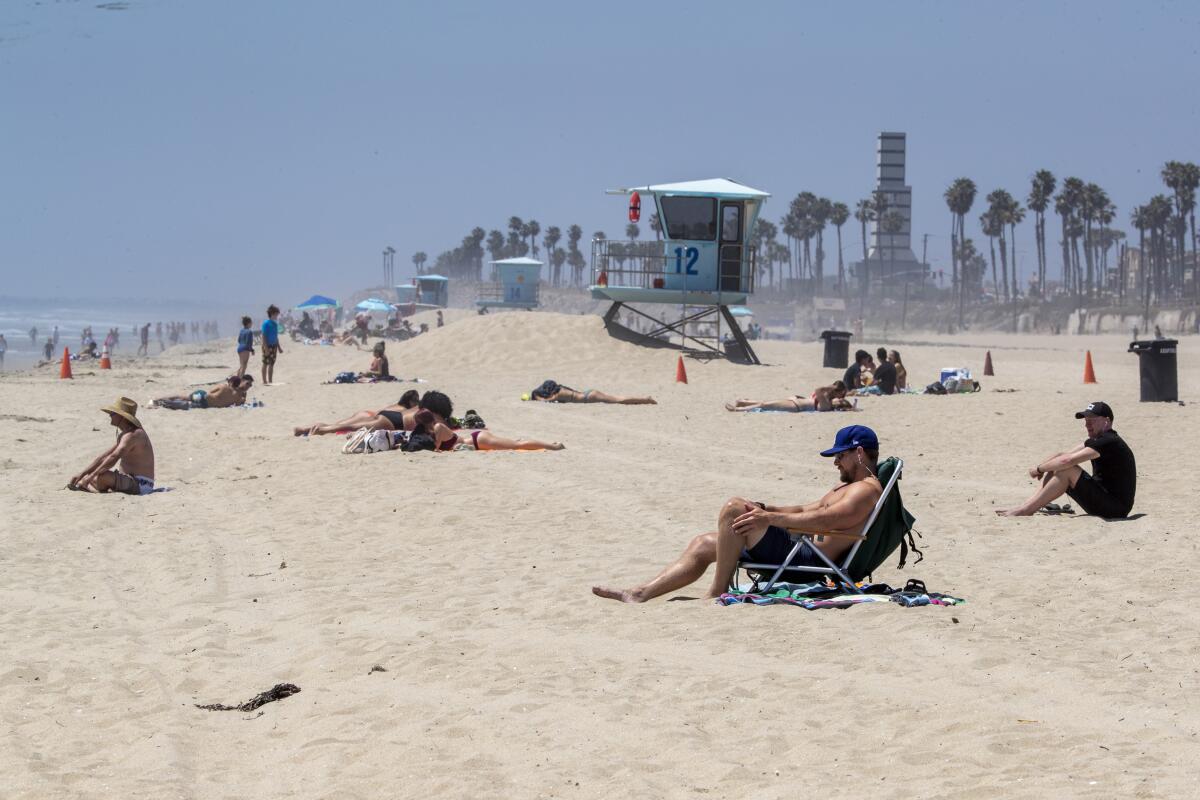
[1071, 671]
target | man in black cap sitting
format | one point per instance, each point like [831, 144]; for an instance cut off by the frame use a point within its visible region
[1108, 491]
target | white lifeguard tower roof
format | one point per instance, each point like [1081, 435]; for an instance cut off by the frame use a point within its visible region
[520, 262]
[710, 187]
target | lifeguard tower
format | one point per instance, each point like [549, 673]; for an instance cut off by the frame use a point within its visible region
[705, 265]
[516, 285]
[433, 291]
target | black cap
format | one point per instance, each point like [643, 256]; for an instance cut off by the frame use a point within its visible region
[1096, 409]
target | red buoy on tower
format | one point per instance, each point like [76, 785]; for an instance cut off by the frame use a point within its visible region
[635, 207]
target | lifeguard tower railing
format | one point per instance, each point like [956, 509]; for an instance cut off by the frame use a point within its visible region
[632, 264]
[645, 265]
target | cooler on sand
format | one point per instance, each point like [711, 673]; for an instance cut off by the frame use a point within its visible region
[837, 349]
[1158, 370]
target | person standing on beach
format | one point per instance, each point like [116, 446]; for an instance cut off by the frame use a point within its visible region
[245, 345]
[133, 455]
[270, 344]
[33, 335]
[1107, 492]
[144, 347]
[54, 336]
[3, 349]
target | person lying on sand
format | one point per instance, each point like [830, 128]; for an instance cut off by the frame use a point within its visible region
[230, 393]
[132, 454]
[760, 531]
[398, 417]
[480, 439]
[1108, 492]
[825, 398]
[551, 392]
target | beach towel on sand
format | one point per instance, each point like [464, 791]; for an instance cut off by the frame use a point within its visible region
[812, 596]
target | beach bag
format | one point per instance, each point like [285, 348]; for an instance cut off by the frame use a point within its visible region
[472, 420]
[418, 441]
[357, 443]
[546, 390]
[935, 388]
[346, 377]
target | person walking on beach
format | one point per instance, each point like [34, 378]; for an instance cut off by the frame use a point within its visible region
[761, 530]
[270, 344]
[144, 347]
[133, 455]
[54, 336]
[1107, 492]
[245, 345]
[3, 349]
[33, 335]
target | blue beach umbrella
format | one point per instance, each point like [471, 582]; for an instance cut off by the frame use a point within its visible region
[318, 302]
[373, 304]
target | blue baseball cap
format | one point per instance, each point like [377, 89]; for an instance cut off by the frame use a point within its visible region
[853, 436]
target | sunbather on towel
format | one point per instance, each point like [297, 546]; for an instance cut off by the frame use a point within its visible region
[132, 455]
[361, 419]
[230, 393]
[1107, 492]
[761, 531]
[551, 392]
[825, 398]
[483, 439]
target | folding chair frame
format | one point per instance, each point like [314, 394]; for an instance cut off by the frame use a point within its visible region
[831, 568]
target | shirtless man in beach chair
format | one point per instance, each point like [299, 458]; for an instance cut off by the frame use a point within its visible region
[230, 393]
[825, 398]
[133, 455]
[761, 530]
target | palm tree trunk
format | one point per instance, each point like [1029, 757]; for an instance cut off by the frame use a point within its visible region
[1012, 246]
[841, 269]
[995, 280]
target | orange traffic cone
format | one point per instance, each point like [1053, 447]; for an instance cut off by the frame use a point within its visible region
[65, 370]
[105, 362]
[680, 372]
[1089, 374]
[987, 364]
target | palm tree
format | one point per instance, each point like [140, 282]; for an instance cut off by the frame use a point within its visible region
[1040, 191]
[516, 230]
[892, 223]
[574, 257]
[418, 259]
[531, 230]
[864, 212]
[656, 226]
[838, 214]
[989, 223]
[551, 240]
[495, 245]
[959, 196]
[821, 211]
[879, 201]
[1014, 215]
[1139, 218]
[999, 203]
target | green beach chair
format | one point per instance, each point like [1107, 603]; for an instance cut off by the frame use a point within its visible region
[889, 526]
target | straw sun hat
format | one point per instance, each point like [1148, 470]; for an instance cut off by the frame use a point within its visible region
[125, 408]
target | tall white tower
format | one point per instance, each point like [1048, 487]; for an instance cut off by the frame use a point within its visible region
[891, 254]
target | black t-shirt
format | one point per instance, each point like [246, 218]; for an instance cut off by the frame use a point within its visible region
[851, 377]
[1115, 470]
[885, 377]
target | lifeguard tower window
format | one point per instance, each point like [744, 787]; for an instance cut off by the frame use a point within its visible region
[693, 218]
[731, 223]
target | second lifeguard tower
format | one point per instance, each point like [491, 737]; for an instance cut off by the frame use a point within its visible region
[705, 264]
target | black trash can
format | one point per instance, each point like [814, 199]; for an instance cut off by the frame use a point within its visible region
[736, 353]
[1160, 378]
[837, 348]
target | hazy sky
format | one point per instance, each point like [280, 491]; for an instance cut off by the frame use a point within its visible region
[269, 150]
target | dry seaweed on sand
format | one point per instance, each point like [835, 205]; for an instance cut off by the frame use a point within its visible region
[276, 692]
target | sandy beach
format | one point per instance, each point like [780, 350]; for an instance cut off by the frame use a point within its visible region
[1072, 671]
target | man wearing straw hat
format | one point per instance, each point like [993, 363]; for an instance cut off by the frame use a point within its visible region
[132, 454]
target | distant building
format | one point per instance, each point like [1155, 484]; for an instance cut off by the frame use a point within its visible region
[891, 256]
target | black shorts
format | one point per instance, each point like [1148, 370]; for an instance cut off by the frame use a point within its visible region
[774, 547]
[1095, 500]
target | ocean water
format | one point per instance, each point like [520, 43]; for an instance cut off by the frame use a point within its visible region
[19, 315]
